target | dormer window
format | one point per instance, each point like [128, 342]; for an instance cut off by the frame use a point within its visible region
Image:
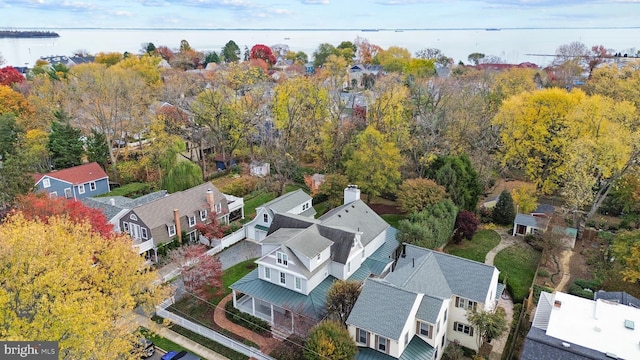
[282, 258]
[171, 229]
[192, 221]
[265, 218]
[46, 183]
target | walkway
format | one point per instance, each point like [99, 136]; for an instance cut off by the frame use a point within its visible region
[186, 343]
[505, 301]
[266, 344]
[506, 240]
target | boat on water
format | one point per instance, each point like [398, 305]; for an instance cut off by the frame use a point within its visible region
[492, 29]
[399, 30]
[370, 30]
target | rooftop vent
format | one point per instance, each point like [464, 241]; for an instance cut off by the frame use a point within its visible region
[611, 355]
[566, 344]
[557, 304]
[629, 324]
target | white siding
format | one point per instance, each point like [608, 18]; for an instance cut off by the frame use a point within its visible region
[375, 244]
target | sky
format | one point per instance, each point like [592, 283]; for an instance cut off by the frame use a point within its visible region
[318, 14]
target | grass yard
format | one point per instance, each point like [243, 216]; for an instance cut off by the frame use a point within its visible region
[254, 200]
[476, 249]
[518, 263]
[393, 219]
[160, 342]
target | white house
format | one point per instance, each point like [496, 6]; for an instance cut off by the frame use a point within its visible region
[421, 305]
[259, 169]
[536, 222]
[296, 202]
[302, 257]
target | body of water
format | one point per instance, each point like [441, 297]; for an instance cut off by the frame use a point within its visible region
[512, 45]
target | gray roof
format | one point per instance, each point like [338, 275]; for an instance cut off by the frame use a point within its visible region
[358, 217]
[417, 349]
[544, 209]
[441, 275]
[312, 243]
[530, 221]
[286, 202]
[120, 202]
[429, 309]
[389, 304]
[618, 296]
[290, 221]
[313, 305]
[540, 346]
[188, 203]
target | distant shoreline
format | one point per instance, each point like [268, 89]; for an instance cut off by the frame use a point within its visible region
[28, 34]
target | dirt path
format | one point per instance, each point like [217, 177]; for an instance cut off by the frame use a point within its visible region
[564, 262]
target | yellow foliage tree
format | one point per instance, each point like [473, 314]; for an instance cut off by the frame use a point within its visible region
[68, 284]
[525, 198]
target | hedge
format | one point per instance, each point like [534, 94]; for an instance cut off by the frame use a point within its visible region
[248, 321]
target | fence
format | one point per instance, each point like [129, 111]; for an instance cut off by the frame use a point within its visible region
[161, 310]
[227, 241]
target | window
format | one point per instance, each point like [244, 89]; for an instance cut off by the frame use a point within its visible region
[125, 226]
[133, 217]
[465, 304]
[438, 327]
[192, 237]
[406, 339]
[218, 208]
[53, 195]
[265, 218]
[81, 189]
[444, 337]
[435, 353]
[283, 259]
[203, 214]
[92, 186]
[298, 283]
[283, 278]
[305, 206]
[349, 266]
[267, 273]
[171, 229]
[445, 314]
[192, 221]
[67, 193]
[319, 256]
[463, 328]
[382, 344]
[363, 336]
[425, 329]
[46, 183]
[143, 231]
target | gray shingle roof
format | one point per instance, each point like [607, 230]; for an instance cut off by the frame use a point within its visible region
[618, 296]
[286, 202]
[429, 309]
[289, 221]
[312, 243]
[417, 349]
[540, 346]
[530, 221]
[120, 202]
[441, 275]
[358, 217]
[188, 203]
[390, 304]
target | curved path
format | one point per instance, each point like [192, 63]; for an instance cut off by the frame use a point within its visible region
[506, 240]
[266, 344]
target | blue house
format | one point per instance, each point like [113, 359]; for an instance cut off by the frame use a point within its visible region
[78, 182]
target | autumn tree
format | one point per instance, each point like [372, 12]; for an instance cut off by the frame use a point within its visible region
[388, 110]
[475, 58]
[374, 163]
[366, 51]
[108, 59]
[394, 59]
[13, 102]
[488, 324]
[212, 229]
[417, 194]
[9, 76]
[504, 212]
[65, 144]
[465, 227]
[434, 54]
[341, 298]
[525, 198]
[71, 286]
[330, 340]
[333, 189]
[429, 228]
[260, 51]
[201, 273]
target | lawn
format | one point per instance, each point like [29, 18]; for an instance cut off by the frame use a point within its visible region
[393, 219]
[254, 200]
[476, 249]
[160, 342]
[518, 263]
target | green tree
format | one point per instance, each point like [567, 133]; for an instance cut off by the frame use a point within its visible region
[504, 212]
[212, 57]
[460, 179]
[65, 144]
[430, 228]
[417, 194]
[330, 340]
[626, 248]
[231, 52]
[15, 178]
[321, 54]
[10, 133]
[341, 298]
[489, 325]
[182, 176]
[333, 188]
[475, 58]
[374, 163]
[97, 148]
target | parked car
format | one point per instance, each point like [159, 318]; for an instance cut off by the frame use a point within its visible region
[182, 355]
[145, 348]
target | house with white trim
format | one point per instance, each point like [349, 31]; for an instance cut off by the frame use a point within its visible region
[296, 202]
[76, 183]
[302, 257]
[421, 306]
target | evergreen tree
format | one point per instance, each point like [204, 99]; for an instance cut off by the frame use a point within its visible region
[457, 175]
[504, 212]
[97, 148]
[65, 143]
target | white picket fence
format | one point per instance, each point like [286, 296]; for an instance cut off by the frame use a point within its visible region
[227, 241]
[161, 310]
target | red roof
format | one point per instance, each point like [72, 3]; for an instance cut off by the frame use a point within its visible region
[76, 175]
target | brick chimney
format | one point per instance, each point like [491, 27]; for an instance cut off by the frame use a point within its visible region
[351, 194]
[176, 220]
[211, 200]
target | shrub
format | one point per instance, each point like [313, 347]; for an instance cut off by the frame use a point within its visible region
[591, 223]
[578, 291]
[592, 284]
[290, 349]
[241, 186]
[486, 215]
[248, 321]
[543, 273]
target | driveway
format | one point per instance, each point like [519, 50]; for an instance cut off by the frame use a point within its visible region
[243, 250]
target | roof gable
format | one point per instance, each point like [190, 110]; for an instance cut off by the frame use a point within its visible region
[356, 216]
[286, 202]
[76, 175]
